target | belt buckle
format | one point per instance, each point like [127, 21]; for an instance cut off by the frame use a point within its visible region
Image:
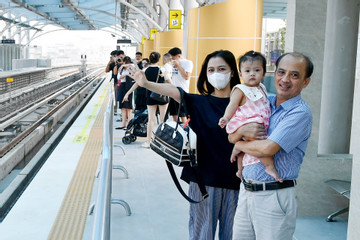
[252, 187]
[248, 186]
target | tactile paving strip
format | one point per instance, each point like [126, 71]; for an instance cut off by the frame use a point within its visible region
[71, 218]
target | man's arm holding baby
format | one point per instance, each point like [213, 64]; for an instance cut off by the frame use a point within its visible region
[255, 142]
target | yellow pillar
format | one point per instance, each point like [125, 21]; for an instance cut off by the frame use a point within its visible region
[164, 41]
[234, 25]
[140, 49]
[148, 47]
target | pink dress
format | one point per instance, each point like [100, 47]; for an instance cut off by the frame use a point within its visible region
[256, 109]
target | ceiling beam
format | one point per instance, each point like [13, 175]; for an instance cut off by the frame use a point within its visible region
[151, 10]
[42, 14]
[124, 32]
[155, 24]
[83, 16]
[119, 18]
[53, 9]
[19, 23]
[165, 7]
[42, 2]
[62, 15]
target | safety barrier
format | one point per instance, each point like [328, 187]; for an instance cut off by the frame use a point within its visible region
[102, 208]
[29, 77]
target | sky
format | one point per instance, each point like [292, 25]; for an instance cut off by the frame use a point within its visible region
[95, 44]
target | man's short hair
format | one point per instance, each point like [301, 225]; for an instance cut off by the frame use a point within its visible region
[167, 57]
[309, 64]
[138, 53]
[113, 52]
[120, 52]
[175, 51]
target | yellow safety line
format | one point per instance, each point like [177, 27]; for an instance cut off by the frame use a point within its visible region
[71, 218]
[82, 137]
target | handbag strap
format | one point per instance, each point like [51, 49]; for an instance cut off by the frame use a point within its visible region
[181, 103]
[157, 78]
[193, 162]
[178, 186]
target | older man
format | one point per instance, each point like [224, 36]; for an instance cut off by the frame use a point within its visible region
[267, 208]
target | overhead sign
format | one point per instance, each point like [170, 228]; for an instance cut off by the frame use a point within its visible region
[152, 33]
[8, 41]
[174, 19]
[9, 79]
[143, 39]
[120, 41]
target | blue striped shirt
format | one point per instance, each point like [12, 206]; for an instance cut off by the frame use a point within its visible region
[290, 127]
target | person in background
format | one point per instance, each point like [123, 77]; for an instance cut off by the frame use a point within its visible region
[180, 77]
[167, 67]
[153, 73]
[145, 63]
[138, 57]
[110, 67]
[111, 64]
[267, 208]
[213, 148]
[140, 92]
[120, 56]
[118, 59]
[126, 83]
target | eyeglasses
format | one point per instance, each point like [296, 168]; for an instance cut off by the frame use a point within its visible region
[293, 75]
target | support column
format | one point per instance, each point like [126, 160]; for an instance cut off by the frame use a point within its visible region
[176, 5]
[338, 76]
[354, 220]
[188, 4]
[235, 32]
[305, 33]
[163, 20]
[18, 31]
[10, 17]
[27, 32]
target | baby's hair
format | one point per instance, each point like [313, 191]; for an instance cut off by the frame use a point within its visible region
[253, 56]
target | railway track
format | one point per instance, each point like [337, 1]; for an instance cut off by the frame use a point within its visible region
[36, 105]
[23, 133]
[47, 104]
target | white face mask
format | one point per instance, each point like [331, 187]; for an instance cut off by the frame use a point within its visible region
[219, 80]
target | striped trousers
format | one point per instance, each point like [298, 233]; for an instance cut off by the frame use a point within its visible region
[218, 208]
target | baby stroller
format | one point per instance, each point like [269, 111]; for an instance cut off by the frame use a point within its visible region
[137, 127]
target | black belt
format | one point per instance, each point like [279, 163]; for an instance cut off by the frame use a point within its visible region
[253, 187]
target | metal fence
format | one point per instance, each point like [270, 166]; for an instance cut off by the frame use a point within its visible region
[102, 208]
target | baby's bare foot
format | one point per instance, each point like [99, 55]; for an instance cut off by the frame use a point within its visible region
[271, 170]
[238, 174]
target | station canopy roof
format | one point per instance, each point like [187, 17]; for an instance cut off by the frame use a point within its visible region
[133, 18]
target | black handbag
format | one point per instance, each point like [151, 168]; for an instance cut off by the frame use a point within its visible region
[158, 97]
[177, 144]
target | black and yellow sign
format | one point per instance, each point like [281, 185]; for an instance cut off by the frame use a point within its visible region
[152, 33]
[9, 79]
[174, 19]
[143, 39]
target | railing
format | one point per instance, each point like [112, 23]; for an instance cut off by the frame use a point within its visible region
[102, 208]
